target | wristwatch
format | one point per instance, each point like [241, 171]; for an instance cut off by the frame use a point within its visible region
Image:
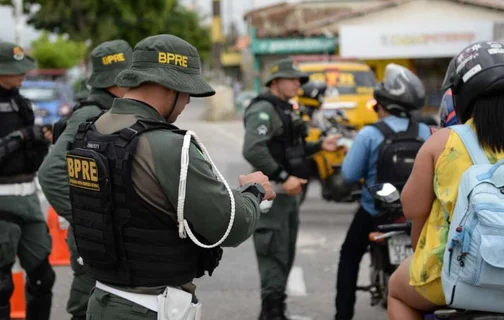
[254, 188]
[279, 175]
[283, 176]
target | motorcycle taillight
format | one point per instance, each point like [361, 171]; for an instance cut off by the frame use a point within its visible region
[401, 219]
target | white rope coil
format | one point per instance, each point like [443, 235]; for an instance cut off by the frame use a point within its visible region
[184, 229]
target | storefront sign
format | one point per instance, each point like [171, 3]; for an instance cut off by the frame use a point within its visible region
[294, 45]
[411, 41]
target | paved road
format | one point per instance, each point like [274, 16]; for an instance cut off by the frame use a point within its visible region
[233, 291]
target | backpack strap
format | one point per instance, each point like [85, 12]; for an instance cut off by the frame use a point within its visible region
[413, 130]
[384, 128]
[471, 143]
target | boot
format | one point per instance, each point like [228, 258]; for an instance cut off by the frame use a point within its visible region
[273, 309]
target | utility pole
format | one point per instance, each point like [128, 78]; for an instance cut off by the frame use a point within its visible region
[18, 11]
[216, 37]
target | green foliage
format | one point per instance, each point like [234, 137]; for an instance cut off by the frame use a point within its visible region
[57, 54]
[130, 20]
[185, 24]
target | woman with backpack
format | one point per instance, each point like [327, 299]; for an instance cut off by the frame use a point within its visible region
[476, 81]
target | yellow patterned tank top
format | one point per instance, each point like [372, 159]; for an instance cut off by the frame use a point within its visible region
[428, 257]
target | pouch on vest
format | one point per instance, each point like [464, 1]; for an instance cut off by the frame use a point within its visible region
[90, 195]
[296, 158]
[209, 261]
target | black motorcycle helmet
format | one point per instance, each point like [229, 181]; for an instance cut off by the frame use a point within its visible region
[478, 71]
[312, 93]
[400, 92]
[450, 73]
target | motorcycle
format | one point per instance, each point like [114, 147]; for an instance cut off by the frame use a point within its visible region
[390, 245]
[325, 166]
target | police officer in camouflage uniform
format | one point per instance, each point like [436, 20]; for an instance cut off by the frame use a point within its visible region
[124, 171]
[23, 229]
[274, 144]
[108, 60]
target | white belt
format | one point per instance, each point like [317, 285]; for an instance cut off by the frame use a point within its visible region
[18, 189]
[146, 300]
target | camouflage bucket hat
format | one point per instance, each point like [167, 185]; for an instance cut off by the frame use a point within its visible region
[169, 61]
[285, 69]
[108, 60]
[13, 60]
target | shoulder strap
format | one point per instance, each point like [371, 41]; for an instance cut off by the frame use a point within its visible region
[85, 103]
[471, 143]
[413, 129]
[126, 135]
[276, 102]
[384, 128]
[263, 97]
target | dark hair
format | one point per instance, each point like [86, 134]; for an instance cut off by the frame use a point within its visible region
[488, 117]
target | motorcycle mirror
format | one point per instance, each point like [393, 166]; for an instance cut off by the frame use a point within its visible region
[385, 192]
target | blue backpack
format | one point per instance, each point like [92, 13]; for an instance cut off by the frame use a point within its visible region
[473, 267]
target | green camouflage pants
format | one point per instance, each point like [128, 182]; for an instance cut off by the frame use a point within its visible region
[275, 244]
[105, 306]
[82, 283]
[24, 233]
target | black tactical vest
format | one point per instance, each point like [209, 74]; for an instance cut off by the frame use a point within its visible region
[288, 148]
[15, 113]
[121, 238]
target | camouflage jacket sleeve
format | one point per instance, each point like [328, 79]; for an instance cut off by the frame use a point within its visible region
[313, 147]
[261, 124]
[52, 174]
[207, 203]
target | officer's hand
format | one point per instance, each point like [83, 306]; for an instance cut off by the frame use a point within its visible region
[293, 185]
[32, 133]
[330, 142]
[260, 178]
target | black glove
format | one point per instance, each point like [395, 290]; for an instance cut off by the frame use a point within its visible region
[33, 133]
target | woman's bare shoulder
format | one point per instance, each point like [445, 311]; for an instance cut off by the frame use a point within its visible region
[437, 142]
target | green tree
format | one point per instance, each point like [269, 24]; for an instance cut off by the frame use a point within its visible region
[103, 20]
[57, 54]
[185, 23]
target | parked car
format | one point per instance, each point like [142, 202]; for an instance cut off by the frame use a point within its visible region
[51, 99]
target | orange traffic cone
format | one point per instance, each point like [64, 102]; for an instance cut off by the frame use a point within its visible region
[58, 228]
[17, 300]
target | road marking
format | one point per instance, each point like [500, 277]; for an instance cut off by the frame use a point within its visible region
[228, 134]
[295, 284]
[307, 239]
[295, 317]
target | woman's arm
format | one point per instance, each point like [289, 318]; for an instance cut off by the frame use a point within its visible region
[418, 193]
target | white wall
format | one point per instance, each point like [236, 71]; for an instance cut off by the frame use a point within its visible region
[27, 34]
[430, 12]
